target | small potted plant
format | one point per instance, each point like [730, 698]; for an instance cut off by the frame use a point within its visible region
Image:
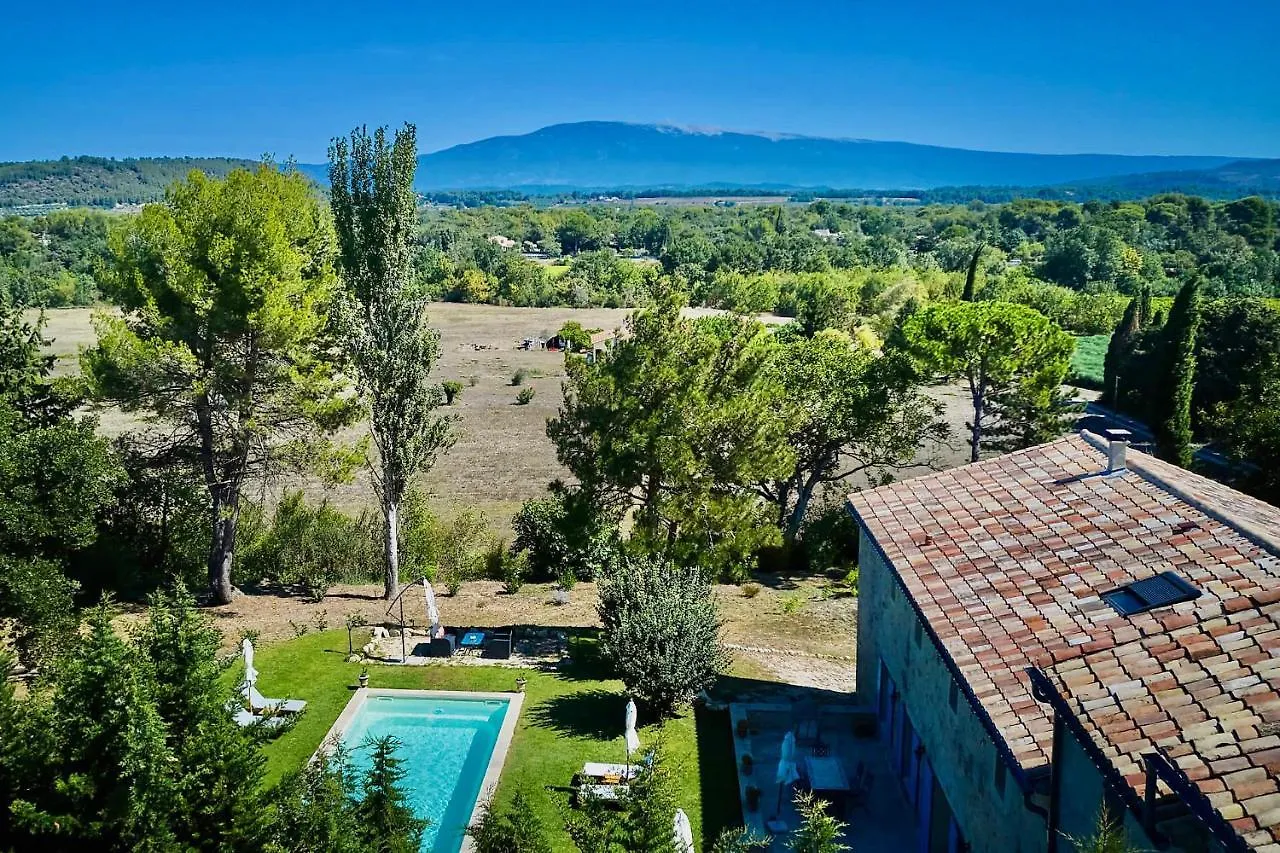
[521, 681]
[364, 677]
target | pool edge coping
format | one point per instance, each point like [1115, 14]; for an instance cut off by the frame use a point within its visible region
[497, 758]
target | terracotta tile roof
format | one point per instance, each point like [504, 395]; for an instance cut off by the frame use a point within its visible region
[1007, 559]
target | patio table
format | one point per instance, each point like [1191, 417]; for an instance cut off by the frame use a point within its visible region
[472, 640]
[826, 774]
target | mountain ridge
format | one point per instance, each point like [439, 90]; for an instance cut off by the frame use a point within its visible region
[601, 156]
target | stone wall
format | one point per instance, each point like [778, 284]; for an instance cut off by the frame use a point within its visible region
[956, 742]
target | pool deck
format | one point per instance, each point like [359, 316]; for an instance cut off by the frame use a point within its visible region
[492, 773]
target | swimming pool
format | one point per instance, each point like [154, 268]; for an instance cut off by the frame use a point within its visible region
[453, 746]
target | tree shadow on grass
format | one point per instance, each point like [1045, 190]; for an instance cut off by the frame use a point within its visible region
[595, 714]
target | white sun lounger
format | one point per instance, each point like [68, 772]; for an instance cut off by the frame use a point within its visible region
[259, 703]
[597, 770]
[245, 717]
[602, 792]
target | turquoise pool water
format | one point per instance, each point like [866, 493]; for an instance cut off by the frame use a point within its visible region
[446, 744]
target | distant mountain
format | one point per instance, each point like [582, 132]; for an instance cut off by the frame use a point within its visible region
[1237, 177]
[600, 154]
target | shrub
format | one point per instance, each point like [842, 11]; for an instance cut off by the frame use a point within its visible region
[750, 590]
[660, 631]
[524, 397]
[818, 831]
[830, 537]
[40, 601]
[451, 388]
[515, 828]
[314, 547]
[793, 604]
[563, 535]
[519, 376]
[514, 569]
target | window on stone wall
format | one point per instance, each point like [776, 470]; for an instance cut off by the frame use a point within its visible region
[1000, 774]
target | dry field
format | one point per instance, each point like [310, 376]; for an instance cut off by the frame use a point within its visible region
[503, 456]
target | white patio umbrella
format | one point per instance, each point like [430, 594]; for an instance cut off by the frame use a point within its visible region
[433, 613]
[787, 772]
[683, 833]
[633, 739]
[250, 674]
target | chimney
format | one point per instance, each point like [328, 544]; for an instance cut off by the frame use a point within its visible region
[1117, 444]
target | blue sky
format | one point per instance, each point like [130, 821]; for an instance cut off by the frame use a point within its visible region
[1122, 76]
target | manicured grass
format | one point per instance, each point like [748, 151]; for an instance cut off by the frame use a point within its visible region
[1086, 361]
[568, 718]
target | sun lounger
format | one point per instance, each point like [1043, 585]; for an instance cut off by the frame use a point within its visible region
[597, 770]
[259, 703]
[245, 717]
[588, 791]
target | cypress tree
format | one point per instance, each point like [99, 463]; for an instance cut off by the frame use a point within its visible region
[1119, 350]
[970, 279]
[1144, 306]
[1173, 427]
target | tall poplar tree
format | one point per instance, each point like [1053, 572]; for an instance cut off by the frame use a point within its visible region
[1173, 422]
[385, 321]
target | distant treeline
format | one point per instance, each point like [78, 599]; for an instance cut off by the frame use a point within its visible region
[99, 181]
[1130, 189]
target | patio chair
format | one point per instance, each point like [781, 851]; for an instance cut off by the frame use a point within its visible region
[443, 647]
[497, 645]
[859, 796]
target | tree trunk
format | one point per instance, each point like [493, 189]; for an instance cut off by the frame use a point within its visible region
[975, 428]
[226, 518]
[391, 549]
[804, 495]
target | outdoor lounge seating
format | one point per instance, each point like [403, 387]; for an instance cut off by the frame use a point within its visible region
[245, 717]
[609, 773]
[585, 790]
[260, 704]
[443, 647]
[497, 645]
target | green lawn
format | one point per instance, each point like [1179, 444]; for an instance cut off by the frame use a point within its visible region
[556, 270]
[1086, 361]
[568, 718]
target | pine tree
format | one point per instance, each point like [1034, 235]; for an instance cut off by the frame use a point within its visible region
[375, 214]
[315, 808]
[389, 824]
[1173, 422]
[1119, 350]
